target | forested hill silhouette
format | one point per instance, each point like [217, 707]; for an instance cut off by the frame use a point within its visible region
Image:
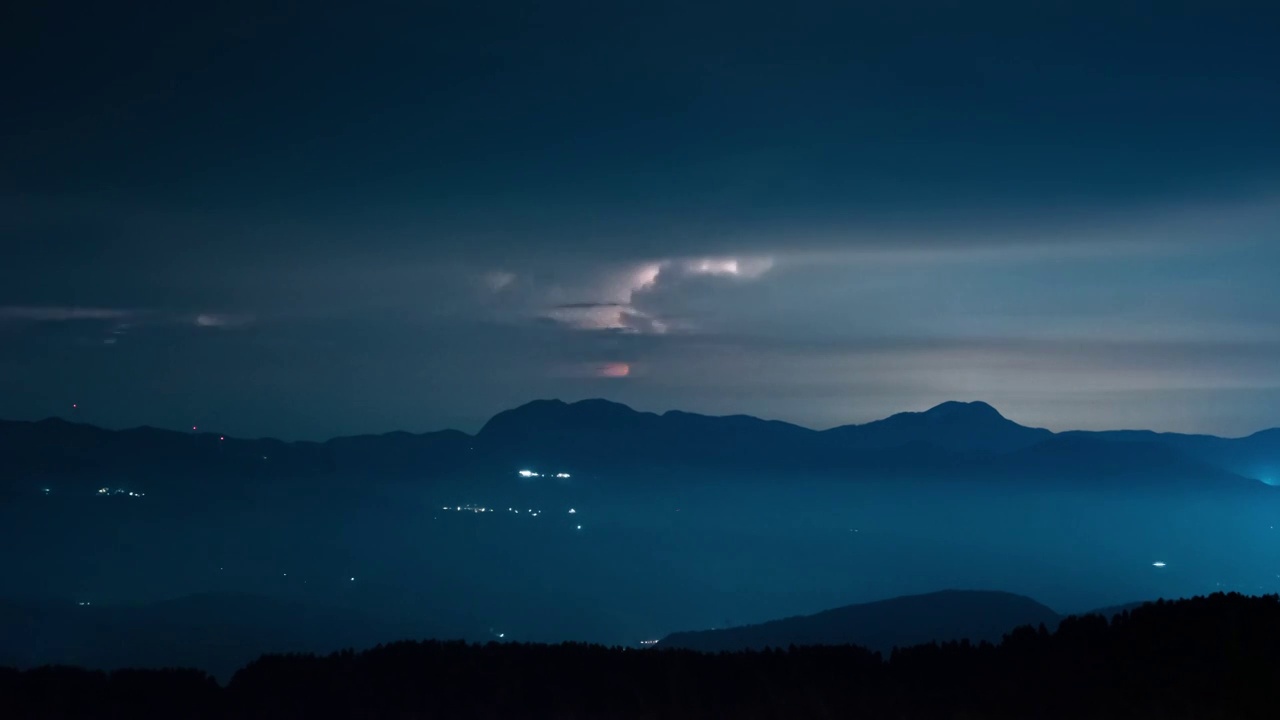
[215, 632]
[1209, 657]
[951, 615]
[598, 436]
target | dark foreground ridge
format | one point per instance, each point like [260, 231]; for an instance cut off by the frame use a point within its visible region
[1216, 656]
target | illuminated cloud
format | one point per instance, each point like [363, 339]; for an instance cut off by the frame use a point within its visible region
[618, 307]
[747, 268]
[595, 370]
[613, 370]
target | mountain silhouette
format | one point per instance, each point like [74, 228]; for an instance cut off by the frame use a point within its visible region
[973, 428]
[954, 439]
[881, 626]
[599, 432]
[1256, 456]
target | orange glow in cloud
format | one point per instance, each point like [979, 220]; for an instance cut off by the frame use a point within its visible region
[613, 370]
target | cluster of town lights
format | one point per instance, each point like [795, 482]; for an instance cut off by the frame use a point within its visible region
[532, 474]
[116, 491]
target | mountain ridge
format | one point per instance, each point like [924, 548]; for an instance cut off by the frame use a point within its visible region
[59, 420]
[897, 622]
[955, 438]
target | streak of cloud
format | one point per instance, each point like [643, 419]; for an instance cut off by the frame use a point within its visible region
[219, 320]
[61, 314]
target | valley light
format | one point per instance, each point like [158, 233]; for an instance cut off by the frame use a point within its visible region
[1157, 564]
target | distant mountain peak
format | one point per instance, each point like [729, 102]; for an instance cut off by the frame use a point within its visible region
[976, 410]
[542, 415]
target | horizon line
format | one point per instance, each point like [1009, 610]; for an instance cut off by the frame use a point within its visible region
[195, 432]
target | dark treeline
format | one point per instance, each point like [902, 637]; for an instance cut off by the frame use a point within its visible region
[1212, 657]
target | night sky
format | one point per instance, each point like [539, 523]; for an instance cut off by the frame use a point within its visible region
[312, 219]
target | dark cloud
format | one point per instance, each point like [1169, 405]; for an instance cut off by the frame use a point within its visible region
[412, 217]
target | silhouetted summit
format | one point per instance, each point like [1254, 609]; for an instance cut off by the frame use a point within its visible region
[973, 428]
[899, 622]
[602, 432]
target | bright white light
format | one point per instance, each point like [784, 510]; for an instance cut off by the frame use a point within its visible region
[579, 527]
[1157, 564]
[749, 268]
[527, 473]
[572, 511]
[562, 475]
[353, 579]
[502, 635]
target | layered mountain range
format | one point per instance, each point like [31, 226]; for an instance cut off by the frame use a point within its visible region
[597, 437]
